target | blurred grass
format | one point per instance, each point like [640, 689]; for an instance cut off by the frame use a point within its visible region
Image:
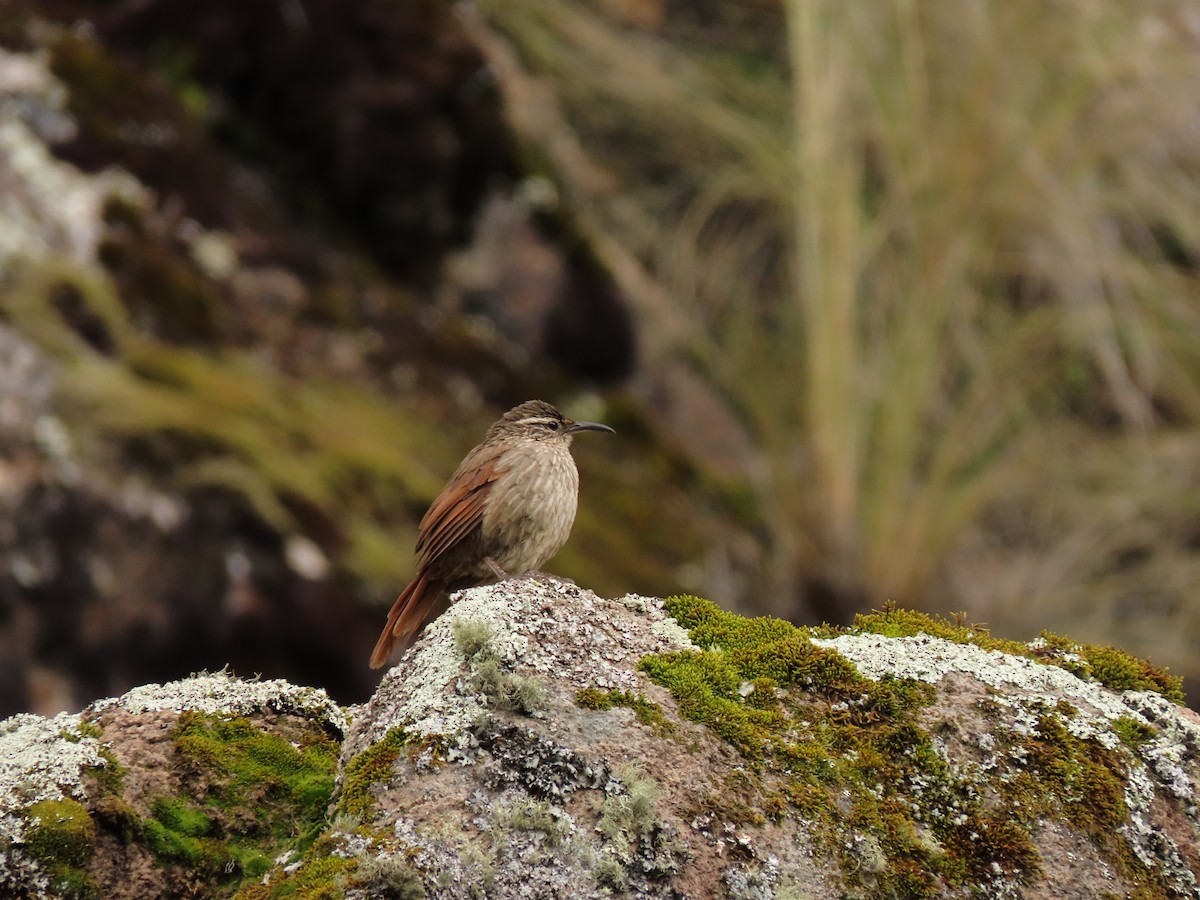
[919, 249]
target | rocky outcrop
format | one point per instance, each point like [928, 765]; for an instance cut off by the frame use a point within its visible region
[541, 741]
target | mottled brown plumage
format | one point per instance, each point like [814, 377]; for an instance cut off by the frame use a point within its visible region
[506, 511]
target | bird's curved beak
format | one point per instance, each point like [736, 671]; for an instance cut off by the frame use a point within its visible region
[588, 426]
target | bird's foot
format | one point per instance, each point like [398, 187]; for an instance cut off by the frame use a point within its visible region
[495, 567]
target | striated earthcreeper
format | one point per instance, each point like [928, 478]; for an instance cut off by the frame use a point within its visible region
[506, 510]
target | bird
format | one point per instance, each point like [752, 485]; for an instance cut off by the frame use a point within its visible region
[506, 510]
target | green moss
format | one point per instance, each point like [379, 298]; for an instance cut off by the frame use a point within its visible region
[83, 730]
[118, 818]
[251, 862]
[705, 685]
[1078, 777]
[250, 794]
[246, 764]
[711, 626]
[375, 765]
[1111, 667]
[177, 832]
[648, 712]
[1067, 777]
[320, 877]
[845, 753]
[180, 817]
[738, 799]
[594, 698]
[892, 621]
[110, 777]
[60, 834]
[1122, 672]
[60, 831]
[1133, 732]
[795, 661]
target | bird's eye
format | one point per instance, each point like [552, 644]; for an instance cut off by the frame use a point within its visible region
[553, 426]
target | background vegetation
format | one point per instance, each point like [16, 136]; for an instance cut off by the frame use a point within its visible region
[939, 260]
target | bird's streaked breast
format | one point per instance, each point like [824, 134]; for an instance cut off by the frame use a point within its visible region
[531, 509]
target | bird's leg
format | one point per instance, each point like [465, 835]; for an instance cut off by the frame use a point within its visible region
[495, 567]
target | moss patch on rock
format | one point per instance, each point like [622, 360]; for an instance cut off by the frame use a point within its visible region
[249, 794]
[1111, 667]
[374, 766]
[647, 711]
[321, 876]
[62, 837]
[246, 763]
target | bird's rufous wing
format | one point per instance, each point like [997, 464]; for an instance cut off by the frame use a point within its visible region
[457, 510]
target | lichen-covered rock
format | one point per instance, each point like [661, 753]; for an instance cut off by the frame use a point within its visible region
[183, 789]
[517, 751]
[42, 767]
[540, 741]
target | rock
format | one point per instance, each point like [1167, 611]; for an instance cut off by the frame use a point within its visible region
[540, 741]
[170, 790]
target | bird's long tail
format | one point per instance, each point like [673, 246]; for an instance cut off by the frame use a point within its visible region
[407, 615]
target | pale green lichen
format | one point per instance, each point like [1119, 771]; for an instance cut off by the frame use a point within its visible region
[489, 676]
[389, 876]
[44, 764]
[629, 814]
[535, 628]
[471, 636]
[221, 693]
[530, 814]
